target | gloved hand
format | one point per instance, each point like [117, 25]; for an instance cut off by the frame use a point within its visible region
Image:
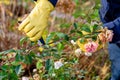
[36, 22]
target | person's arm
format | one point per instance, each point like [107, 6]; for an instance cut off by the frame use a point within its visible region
[36, 23]
[106, 15]
[115, 27]
[112, 23]
[54, 2]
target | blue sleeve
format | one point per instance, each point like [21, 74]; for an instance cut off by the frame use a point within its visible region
[115, 27]
[54, 2]
[109, 25]
[113, 24]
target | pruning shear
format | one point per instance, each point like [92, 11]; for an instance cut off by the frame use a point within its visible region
[41, 41]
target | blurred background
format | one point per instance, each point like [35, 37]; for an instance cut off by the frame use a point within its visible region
[66, 13]
[13, 11]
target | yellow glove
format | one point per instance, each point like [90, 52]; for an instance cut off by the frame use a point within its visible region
[36, 22]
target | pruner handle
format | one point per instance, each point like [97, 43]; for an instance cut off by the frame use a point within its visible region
[41, 40]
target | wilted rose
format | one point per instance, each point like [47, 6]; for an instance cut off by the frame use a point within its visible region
[102, 37]
[109, 35]
[106, 36]
[91, 46]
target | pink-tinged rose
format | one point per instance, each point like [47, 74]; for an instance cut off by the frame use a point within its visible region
[91, 47]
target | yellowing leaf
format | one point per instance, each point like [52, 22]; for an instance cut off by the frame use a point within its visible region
[85, 33]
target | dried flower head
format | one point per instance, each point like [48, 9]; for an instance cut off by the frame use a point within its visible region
[109, 35]
[106, 35]
[102, 37]
[66, 6]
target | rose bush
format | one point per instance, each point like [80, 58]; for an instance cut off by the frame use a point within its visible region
[95, 39]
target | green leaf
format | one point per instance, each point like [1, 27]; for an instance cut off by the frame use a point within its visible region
[28, 59]
[60, 46]
[45, 54]
[7, 51]
[48, 64]
[39, 64]
[95, 15]
[66, 25]
[82, 40]
[18, 69]
[19, 57]
[3, 75]
[32, 43]
[77, 1]
[13, 76]
[86, 28]
[49, 38]
[79, 14]
[74, 38]
[66, 37]
[87, 36]
[57, 56]
[32, 54]
[72, 31]
[96, 28]
[22, 40]
[5, 67]
[80, 33]
[75, 25]
[60, 35]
